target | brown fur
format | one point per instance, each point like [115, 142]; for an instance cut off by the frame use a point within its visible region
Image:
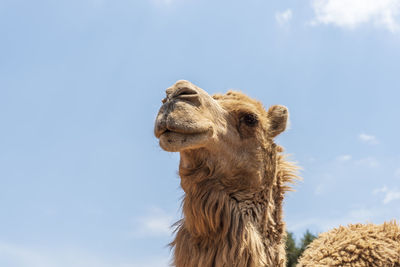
[356, 245]
[233, 175]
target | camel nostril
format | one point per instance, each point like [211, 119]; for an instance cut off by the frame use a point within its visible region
[185, 92]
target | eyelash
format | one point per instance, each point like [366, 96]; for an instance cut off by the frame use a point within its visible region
[250, 119]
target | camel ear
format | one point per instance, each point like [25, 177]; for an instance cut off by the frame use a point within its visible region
[278, 117]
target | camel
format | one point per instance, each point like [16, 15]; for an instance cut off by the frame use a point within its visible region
[233, 175]
[355, 245]
[234, 179]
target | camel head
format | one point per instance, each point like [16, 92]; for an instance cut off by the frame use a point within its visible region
[227, 133]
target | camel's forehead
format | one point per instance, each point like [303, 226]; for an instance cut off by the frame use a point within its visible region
[237, 101]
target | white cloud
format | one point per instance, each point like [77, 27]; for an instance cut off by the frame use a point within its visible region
[360, 215]
[380, 190]
[344, 158]
[283, 18]
[368, 162]
[156, 223]
[389, 194]
[325, 185]
[353, 13]
[21, 256]
[369, 139]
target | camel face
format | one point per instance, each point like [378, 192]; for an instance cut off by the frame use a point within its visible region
[190, 118]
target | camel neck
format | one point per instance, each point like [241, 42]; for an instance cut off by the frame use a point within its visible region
[220, 226]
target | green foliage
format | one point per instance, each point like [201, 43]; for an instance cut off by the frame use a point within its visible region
[293, 252]
[308, 237]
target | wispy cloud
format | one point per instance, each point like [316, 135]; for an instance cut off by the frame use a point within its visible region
[353, 13]
[369, 139]
[360, 215]
[343, 158]
[156, 223]
[389, 194]
[370, 162]
[325, 184]
[283, 18]
[20, 256]
[380, 190]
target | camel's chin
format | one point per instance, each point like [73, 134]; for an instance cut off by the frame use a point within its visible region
[175, 142]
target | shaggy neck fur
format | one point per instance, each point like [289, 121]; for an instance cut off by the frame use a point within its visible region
[223, 226]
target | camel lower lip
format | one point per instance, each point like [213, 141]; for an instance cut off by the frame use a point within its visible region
[169, 132]
[173, 141]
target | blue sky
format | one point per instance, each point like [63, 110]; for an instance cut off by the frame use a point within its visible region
[83, 181]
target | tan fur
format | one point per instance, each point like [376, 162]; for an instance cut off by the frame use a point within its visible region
[356, 245]
[233, 175]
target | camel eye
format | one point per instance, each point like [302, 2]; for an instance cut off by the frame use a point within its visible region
[250, 119]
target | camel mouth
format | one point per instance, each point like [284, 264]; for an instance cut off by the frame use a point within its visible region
[170, 130]
[181, 132]
[174, 141]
